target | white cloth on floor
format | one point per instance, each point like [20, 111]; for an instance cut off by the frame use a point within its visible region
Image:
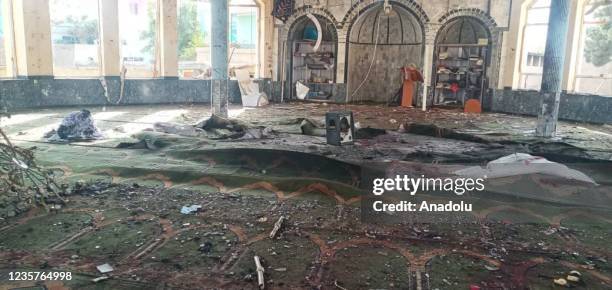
[251, 96]
[523, 164]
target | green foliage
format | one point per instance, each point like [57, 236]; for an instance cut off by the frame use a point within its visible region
[82, 30]
[598, 43]
[190, 35]
[149, 34]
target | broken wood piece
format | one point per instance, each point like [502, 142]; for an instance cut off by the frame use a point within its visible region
[277, 227]
[102, 278]
[260, 273]
[338, 285]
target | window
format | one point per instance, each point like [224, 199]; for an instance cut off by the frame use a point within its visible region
[138, 33]
[194, 21]
[535, 59]
[4, 39]
[194, 39]
[594, 64]
[243, 35]
[534, 43]
[75, 38]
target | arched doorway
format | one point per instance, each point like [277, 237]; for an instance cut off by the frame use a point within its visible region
[380, 44]
[313, 69]
[461, 62]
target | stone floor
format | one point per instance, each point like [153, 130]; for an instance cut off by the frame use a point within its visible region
[124, 205]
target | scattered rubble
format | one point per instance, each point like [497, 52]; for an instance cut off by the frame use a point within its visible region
[560, 282]
[22, 182]
[312, 128]
[277, 227]
[190, 209]
[177, 129]
[105, 268]
[440, 132]
[260, 273]
[239, 212]
[369, 133]
[99, 279]
[205, 247]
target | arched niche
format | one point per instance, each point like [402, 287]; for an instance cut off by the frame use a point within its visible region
[379, 45]
[461, 61]
[316, 70]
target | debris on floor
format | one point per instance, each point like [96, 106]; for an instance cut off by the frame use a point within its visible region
[190, 209]
[23, 183]
[440, 132]
[312, 128]
[150, 140]
[294, 201]
[277, 226]
[369, 133]
[177, 129]
[521, 164]
[249, 90]
[99, 279]
[560, 282]
[77, 126]
[260, 273]
[217, 127]
[105, 268]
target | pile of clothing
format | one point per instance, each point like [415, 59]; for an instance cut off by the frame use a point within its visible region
[77, 126]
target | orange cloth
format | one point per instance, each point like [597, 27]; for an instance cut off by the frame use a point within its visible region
[473, 106]
[411, 75]
[408, 92]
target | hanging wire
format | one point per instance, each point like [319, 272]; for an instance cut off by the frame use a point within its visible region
[371, 63]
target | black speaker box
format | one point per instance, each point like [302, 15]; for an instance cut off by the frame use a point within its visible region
[340, 127]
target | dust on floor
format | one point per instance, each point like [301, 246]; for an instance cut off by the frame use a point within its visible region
[125, 207]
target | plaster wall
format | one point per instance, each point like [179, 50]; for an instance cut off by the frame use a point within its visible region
[385, 78]
[572, 107]
[49, 92]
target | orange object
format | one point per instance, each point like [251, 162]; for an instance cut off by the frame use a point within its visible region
[411, 75]
[472, 106]
[408, 92]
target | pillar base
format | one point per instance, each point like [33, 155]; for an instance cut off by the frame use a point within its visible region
[219, 97]
[549, 114]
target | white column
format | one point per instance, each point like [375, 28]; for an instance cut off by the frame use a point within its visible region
[110, 61]
[7, 9]
[430, 38]
[32, 25]
[427, 80]
[513, 42]
[169, 38]
[341, 61]
[573, 46]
